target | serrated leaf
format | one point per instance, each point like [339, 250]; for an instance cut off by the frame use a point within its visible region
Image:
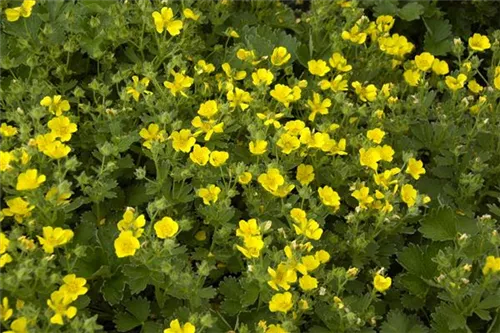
[411, 11]
[151, 327]
[418, 260]
[230, 288]
[446, 315]
[398, 322]
[112, 289]
[125, 322]
[139, 308]
[444, 224]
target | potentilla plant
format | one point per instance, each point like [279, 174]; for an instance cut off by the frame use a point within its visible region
[244, 166]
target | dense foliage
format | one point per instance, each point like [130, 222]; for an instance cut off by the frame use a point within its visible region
[258, 166]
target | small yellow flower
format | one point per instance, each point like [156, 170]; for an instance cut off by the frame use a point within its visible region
[318, 67]
[165, 20]
[180, 84]
[62, 128]
[200, 236]
[408, 195]
[262, 76]
[257, 147]
[239, 98]
[56, 150]
[338, 84]
[280, 56]
[384, 23]
[307, 283]
[338, 62]
[189, 14]
[166, 228]
[363, 196]
[200, 155]
[203, 67]
[369, 158]
[252, 247]
[245, 178]
[60, 198]
[126, 244]
[13, 14]
[5, 311]
[496, 80]
[456, 83]
[73, 287]
[354, 35]
[415, 168]
[175, 327]
[29, 180]
[386, 153]
[20, 325]
[183, 140]
[130, 222]
[412, 77]
[366, 93]
[475, 87]
[5, 159]
[138, 87]
[440, 67]
[318, 106]
[218, 158]
[283, 94]
[56, 104]
[305, 174]
[329, 197]
[288, 143]
[271, 180]
[7, 130]
[376, 135]
[492, 265]
[479, 42]
[54, 237]
[60, 305]
[18, 208]
[151, 134]
[248, 228]
[281, 302]
[5, 259]
[210, 194]
[276, 328]
[208, 109]
[281, 277]
[424, 61]
[381, 283]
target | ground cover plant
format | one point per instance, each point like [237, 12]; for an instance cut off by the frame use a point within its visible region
[249, 166]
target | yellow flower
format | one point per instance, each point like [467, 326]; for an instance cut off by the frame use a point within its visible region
[329, 197]
[73, 287]
[384, 23]
[183, 140]
[60, 305]
[440, 67]
[262, 76]
[308, 264]
[210, 194]
[288, 143]
[386, 153]
[369, 158]
[7, 130]
[308, 228]
[271, 180]
[412, 77]
[384, 179]
[231, 32]
[208, 127]
[5, 159]
[126, 244]
[245, 178]
[13, 14]
[307, 283]
[252, 247]
[60, 198]
[475, 87]
[20, 325]
[338, 62]
[496, 81]
[54, 237]
[181, 82]
[189, 14]
[56, 104]
[479, 42]
[318, 67]
[4, 243]
[492, 265]
[200, 236]
[42, 141]
[283, 94]
[305, 174]
[424, 61]
[381, 283]
[238, 75]
[218, 158]
[131, 223]
[5, 259]
[257, 147]
[366, 93]
[248, 229]
[456, 83]
[354, 35]
[281, 302]
[152, 133]
[408, 195]
[18, 208]
[318, 106]
[203, 67]
[281, 277]
[395, 45]
[29, 180]
[56, 150]
[165, 20]
[208, 109]
[62, 128]
[271, 119]
[376, 135]
[322, 256]
[415, 168]
[175, 327]
[239, 97]
[166, 228]
[138, 87]
[243, 54]
[280, 56]
[294, 127]
[336, 85]
[275, 329]
[5, 311]
[200, 155]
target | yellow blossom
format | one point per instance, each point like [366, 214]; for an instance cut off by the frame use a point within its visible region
[381, 283]
[492, 265]
[210, 194]
[496, 80]
[318, 67]
[369, 158]
[307, 283]
[200, 155]
[366, 93]
[13, 14]
[7, 130]
[165, 20]
[479, 42]
[257, 147]
[126, 244]
[363, 196]
[5, 159]
[130, 222]
[415, 168]
[190, 14]
[54, 194]
[20, 325]
[355, 35]
[262, 76]
[56, 104]
[386, 153]
[318, 106]
[200, 236]
[384, 179]
[203, 67]
[245, 178]
[5, 311]
[208, 127]
[455, 83]
[60, 305]
[288, 143]
[175, 327]
[42, 141]
[384, 23]
[271, 180]
[166, 228]
[329, 197]
[376, 135]
[271, 119]
[412, 77]
[408, 195]
[5, 259]
[218, 158]
[283, 94]
[208, 109]
[395, 45]
[305, 174]
[18, 208]
[248, 228]
[282, 277]
[280, 56]
[475, 87]
[151, 134]
[138, 87]
[440, 67]
[338, 84]
[424, 61]
[338, 62]
[252, 247]
[73, 287]
[56, 150]
[294, 127]
[183, 140]
[239, 98]
[281, 302]
[29, 180]
[54, 237]
[62, 128]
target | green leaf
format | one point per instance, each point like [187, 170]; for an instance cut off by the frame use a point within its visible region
[139, 308]
[398, 322]
[491, 301]
[125, 322]
[437, 39]
[444, 224]
[418, 260]
[446, 315]
[411, 11]
[112, 289]
[151, 327]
